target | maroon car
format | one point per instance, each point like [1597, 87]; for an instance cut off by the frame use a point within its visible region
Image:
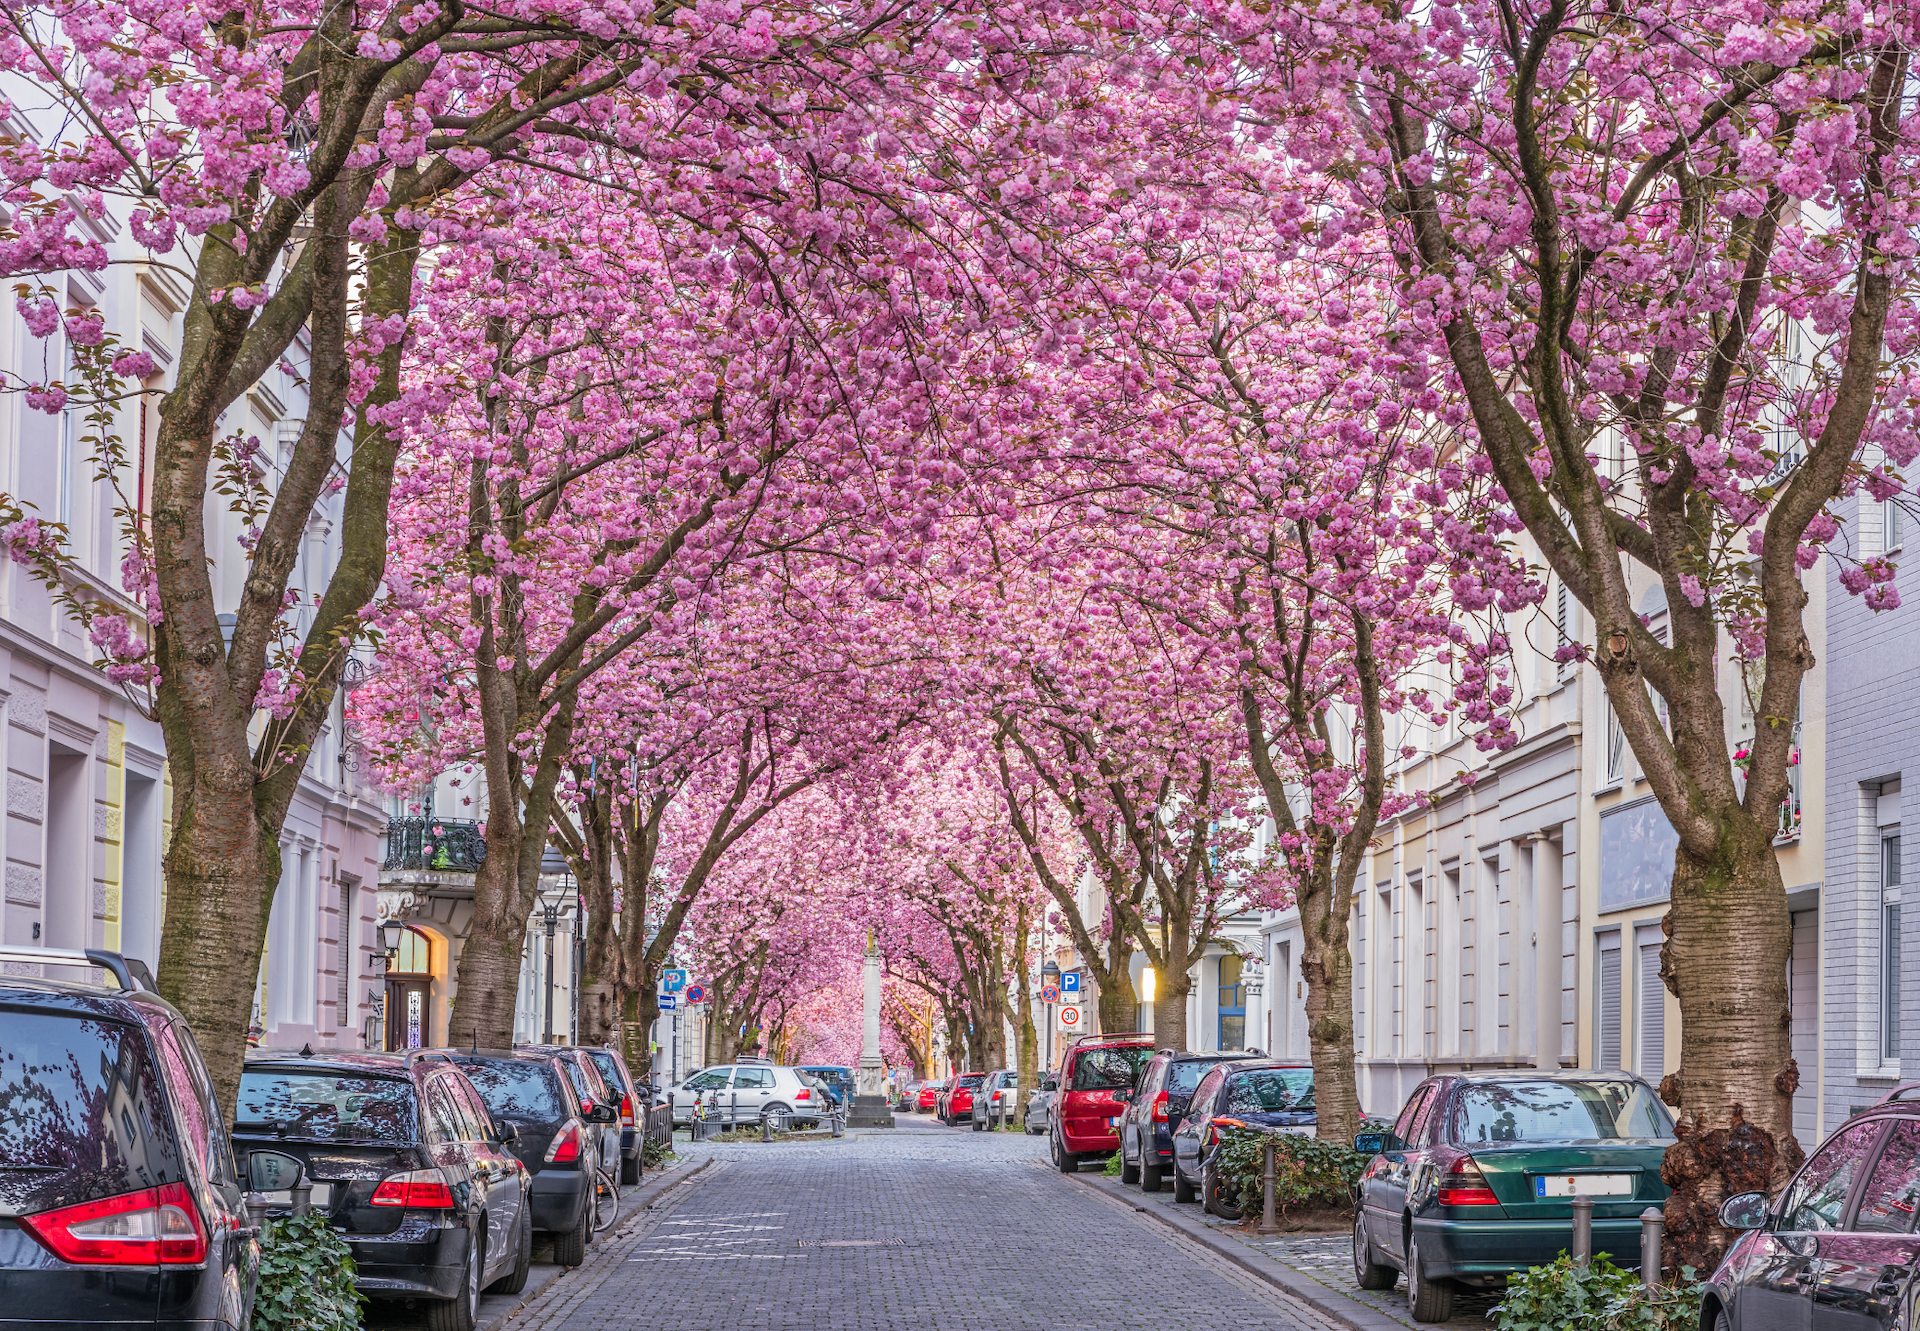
[956, 1099]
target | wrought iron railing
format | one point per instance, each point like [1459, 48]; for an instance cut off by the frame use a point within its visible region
[451, 844]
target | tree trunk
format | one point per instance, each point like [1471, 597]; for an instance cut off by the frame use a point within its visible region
[1733, 1093]
[1327, 967]
[1119, 1002]
[1170, 994]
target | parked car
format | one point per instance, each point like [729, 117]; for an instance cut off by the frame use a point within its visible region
[929, 1098]
[1476, 1180]
[956, 1101]
[1266, 1093]
[407, 1162]
[613, 1071]
[1155, 1110]
[1835, 1251]
[1033, 1117]
[553, 1138]
[1096, 1075]
[742, 1092]
[909, 1093]
[119, 1200]
[593, 1090]
[995, 1096]
[838, 1081]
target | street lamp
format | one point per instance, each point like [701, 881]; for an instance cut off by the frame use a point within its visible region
[552, 896]
[392, 934]
[1049, 983]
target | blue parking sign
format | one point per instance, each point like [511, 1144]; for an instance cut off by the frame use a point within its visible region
[673, 981]
[1070, 984]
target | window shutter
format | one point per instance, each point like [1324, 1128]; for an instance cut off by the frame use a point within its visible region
[1653, 1015]
[1608, 1035]
[1563, 621]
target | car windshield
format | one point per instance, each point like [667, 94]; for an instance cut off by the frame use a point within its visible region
[1183, 1077]
[609, 1070]
[80, 1111]
[1270, 1091]
[1108, 1069]
[517, 1090]
[327, 1106]
[1556, 1111]
[972, 1079]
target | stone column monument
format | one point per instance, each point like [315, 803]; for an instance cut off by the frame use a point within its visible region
[870, 1108]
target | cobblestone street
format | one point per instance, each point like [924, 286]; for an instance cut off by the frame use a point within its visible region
[928, 1230]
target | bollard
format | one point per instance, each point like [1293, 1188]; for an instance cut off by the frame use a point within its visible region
[839, 1129]
[733, 1111]
[1269, 1222]
[1651, 1222]
[302, 1196]
[766, 1127]
[256, 1210]
[1582, 1229]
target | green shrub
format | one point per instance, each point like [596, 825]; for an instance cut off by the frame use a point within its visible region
[1599, 1297]
[1112, 1168]
[1307, 1172]
[306, 1278]
[657, 1154]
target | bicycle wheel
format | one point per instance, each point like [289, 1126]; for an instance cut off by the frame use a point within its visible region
[606, 1200]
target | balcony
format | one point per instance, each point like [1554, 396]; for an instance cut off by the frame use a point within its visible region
[447, 845]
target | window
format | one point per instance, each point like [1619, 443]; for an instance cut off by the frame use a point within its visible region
[517, 1090]
[1564, 625]
[761, 1079]
[1233, 1004]
[1607, 1028]
[712, 1079]
[1616, 745]
[1893, 525]
[1893, 1190]
[477, 1110]
[470, 1123]
[1107, 1069]
[1820, 1193]
[323, 1106]
[1403, 1127]
[1890, 948]
[443, 1120]
[1272, 1091]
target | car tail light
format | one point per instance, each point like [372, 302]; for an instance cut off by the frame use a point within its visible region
[804, 1093]
[565, 1145]
[626, 1111]
[1160, 1107]
[1464, 1185]
[152, 1227]
[424, 1189]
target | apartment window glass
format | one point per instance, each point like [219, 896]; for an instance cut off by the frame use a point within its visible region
[1890, 948]
[1616, 745]
[1893, 525]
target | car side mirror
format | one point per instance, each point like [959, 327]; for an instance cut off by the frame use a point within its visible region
[1049, 1083]
[508, 1133]
[1744, 1210]
[1370, 1143]
[601, 1114]
[273, 1171]
[1125, 1093]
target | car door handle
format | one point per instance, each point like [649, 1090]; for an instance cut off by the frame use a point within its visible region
[1804, 1277]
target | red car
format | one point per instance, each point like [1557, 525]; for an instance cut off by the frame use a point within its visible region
[929, 1099]
[1096, 1074]
[956, 1101]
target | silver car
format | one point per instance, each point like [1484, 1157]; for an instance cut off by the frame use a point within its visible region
[1040, 1104]
[743, 1092]
[993, 1098]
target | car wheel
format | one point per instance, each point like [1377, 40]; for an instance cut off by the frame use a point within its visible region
[463, 1310]
[516, 1280]
[1129, 1173]
[570, 1248]
[1427, 1300]
[1064, 1161]
[1151, 1177]
[630, 1170]
[1367, 1273]
[1213, 1192]
[1182, 1189]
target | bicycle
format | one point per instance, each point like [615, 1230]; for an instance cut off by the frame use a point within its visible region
[606, 1200]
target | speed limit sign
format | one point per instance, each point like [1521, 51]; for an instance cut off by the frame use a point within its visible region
[1069, 1016]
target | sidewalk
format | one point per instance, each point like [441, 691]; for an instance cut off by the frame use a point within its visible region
[1316, 1268]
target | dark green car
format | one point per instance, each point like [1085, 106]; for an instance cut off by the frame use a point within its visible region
[1477, 1177]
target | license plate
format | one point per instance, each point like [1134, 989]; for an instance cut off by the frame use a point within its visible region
[322, 1197]
[1592, 1185]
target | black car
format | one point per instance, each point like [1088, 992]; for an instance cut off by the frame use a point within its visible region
[1264, 1093]
[1155, 1110]
[1839, 1248]
[119, 1198]
[593, 1093]
[633, 1109]
[556, 1141]
[407, 1163]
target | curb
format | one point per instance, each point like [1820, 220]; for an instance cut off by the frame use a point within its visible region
[632, 1205]
[1320, 1297]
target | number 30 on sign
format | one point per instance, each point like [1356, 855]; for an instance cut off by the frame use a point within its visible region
[1069, 1016]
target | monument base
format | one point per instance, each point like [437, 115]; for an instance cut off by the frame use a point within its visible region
[870, 1111]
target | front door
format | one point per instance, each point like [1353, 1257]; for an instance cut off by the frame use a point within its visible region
[1387, 1183]
[407, 1015]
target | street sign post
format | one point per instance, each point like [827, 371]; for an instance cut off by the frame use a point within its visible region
[673, 981]
[696, 993]
[1070, 986]
[1069, 1017]
[669, 1002]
